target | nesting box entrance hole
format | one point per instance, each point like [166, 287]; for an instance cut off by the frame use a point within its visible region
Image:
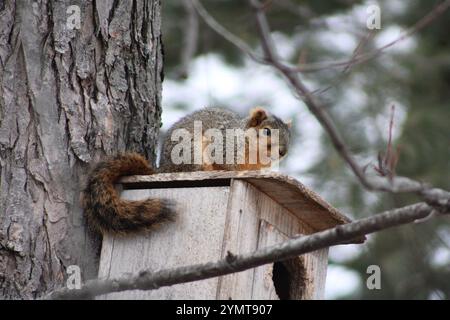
[289, 279]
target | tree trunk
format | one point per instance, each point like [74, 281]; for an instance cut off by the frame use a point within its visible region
[67, 97]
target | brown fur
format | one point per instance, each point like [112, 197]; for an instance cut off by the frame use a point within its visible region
[107, 213]
[257, 116]
[104, 209]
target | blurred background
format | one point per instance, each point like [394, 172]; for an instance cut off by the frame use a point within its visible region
[202, 69]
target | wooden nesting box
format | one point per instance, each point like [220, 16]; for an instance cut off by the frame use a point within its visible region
[218, 212]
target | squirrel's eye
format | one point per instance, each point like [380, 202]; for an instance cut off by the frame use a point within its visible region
[266, 132]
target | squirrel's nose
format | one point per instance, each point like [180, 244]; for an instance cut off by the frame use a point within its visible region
[282, 151]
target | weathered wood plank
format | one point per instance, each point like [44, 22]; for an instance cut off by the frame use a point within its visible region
[106, 255]
[307, 272]
[279, 216]
[240, 236]
[263, 286]
[195, 237]
[251, 218]
[316, 264]
[287, 191]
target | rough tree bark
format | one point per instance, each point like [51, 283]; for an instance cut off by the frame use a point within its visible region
[67, 98]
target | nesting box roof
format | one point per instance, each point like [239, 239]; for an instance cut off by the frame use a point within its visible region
[286, 191]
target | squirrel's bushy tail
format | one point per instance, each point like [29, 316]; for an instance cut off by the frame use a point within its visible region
[104, 209]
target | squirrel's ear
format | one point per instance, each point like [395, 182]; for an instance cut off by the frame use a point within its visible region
[257, 115]
[289, 123]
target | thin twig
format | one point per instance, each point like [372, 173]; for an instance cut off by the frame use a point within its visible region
[230, 37]
[358, 59]
[319, 66]
[361, 44]
[190, 41]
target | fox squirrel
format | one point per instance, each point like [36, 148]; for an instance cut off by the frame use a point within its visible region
[107, 213]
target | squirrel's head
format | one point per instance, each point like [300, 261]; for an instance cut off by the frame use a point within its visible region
[266, 124]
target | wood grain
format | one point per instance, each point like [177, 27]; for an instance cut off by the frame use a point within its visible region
[195, 237]
[287, 191]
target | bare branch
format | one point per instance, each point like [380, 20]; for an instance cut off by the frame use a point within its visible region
[227, 35]
[387, 162]
[313, 104]
[147, 280]
[302, 10]
[357, 51]
[397, 184]
[361, 44]
[318, 66]
[394, 185]
[361, 58]
[190, 41]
